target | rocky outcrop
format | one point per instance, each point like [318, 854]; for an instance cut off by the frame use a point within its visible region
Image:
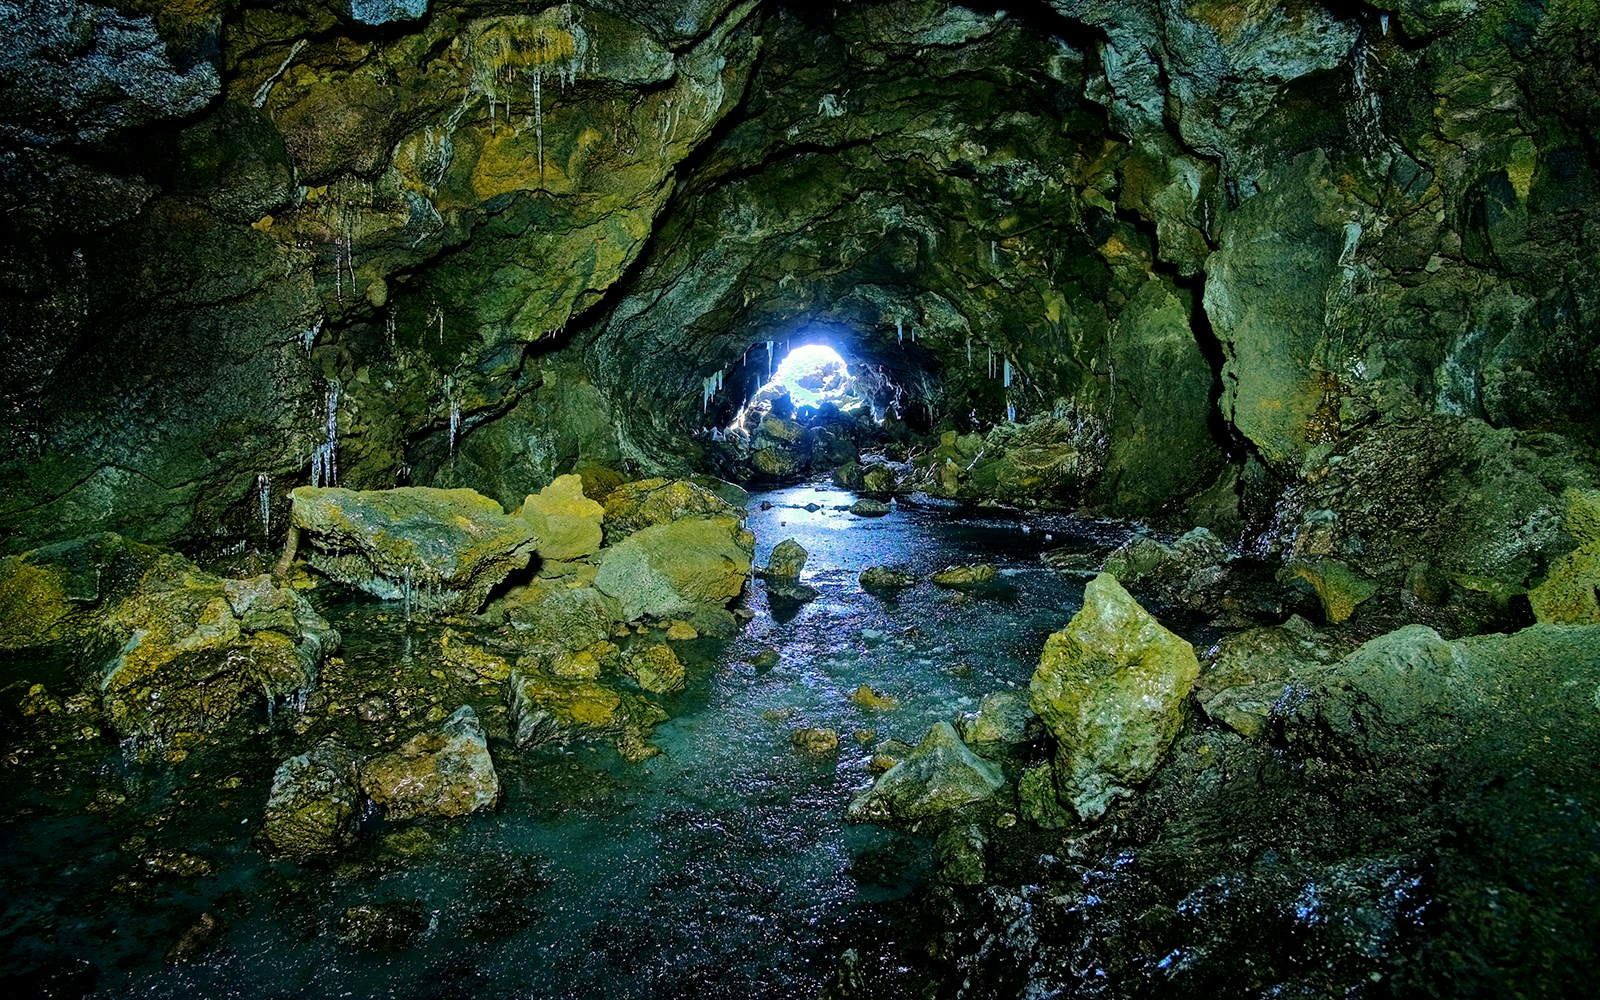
[1112, 688]
[437, 550]
[647, 503]
[444, 772]
[939, 776]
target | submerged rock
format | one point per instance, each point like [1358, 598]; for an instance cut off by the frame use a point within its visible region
[668, 569]
[940, 775]
[815, 742]
[443, 772]
[867, 698]
[567, 523]
[314, 806]
[383, 927]
[974, 575]
[1111, 687]
[439, 550]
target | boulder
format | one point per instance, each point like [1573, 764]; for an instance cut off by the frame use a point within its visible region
[1570, 592]
[1111, 687]
[1251, 673]
[1187, 569]
[668, 569]
[438, 550]
[191, 650]
[940, 775]
[885, 578]
[787, 562]
[649, 502]
[869, 508]
[314, 807]
[441, 772]
[966, 576]
[567, 523]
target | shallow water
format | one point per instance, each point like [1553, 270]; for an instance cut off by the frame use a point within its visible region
[721, 867]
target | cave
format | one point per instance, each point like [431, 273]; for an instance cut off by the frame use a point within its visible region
[420, 575]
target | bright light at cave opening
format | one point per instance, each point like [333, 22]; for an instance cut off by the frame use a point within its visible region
[810, 376]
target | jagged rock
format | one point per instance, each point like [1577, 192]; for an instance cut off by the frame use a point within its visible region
[1570, 593]
[668, 569]
[866, 507]
[656, 668]
[1188, 569]
[651, 502]
[682, 631]
[1339, 588]
[940, 775]
[781, 448]
[815, 742]
[566, 522]
[1251, 673]
[885, 578]
[1041, 800]
[1111, 687]
[1002, 717]
[383, 927]
[314, 807]
[444, 772]
[787, 562]
[439, 550]
[966, 576]
[867, 698]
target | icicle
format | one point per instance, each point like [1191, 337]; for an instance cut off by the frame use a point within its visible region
[388, 327]
[1383, 22]
[455, 411]
[1011, 413]
[264, 494]
[900, 332]
[308, 336]
[325, 459]
[1008, 373]
[969, 350]
[538, 115]
[769, 359]
[709, 387]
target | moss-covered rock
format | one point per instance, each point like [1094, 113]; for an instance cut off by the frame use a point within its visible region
[1112, 688]
[787, 562]
[1002, 717]
[443, 772]
[1339, 588]
[551, 706]
[940, 775]
[439, 550]
[656, 667]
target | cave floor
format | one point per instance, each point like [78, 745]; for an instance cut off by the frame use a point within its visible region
[720, 867]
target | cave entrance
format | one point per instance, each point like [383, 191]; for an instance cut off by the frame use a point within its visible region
[808, 380]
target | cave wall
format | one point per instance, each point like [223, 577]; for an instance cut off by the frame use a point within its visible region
[1311, 256]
